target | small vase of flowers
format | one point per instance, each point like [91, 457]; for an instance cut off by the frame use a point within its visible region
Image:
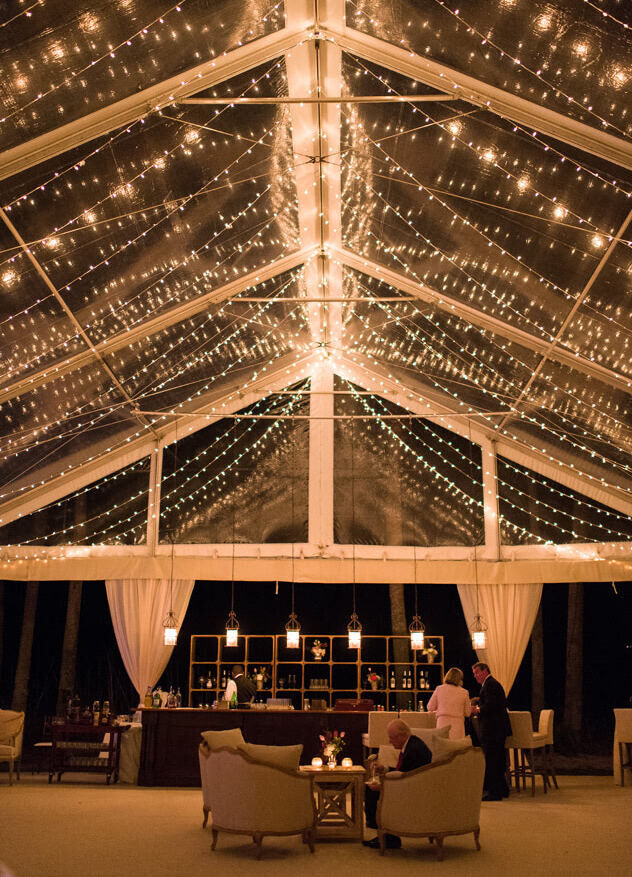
[318, 650]
[373, 680]
[332, 743]
[431, 653]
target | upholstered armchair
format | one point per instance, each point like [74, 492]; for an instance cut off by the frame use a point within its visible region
[434, 801]
[11, 731]
[246, 796]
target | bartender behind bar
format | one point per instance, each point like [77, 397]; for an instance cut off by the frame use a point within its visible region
[240, 687]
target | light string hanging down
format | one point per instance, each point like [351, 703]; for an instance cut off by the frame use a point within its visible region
[478, 628]
[232, 625]
[354, 628]
[171, 623]
[292, 626]
[416, 627]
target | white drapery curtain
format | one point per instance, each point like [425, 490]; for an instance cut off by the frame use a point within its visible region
[138, 608]
[509, 612]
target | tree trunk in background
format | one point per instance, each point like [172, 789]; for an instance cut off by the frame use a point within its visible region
[537, 665]
[67, 668]
[573, 691]
[23, 668]
[1, 623]
[69, 648]
[400, 647]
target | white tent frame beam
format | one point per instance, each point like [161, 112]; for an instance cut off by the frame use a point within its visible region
[488, 97]
[477, 318]
[231, 399]
[156, 324]
[372, 376]
[150, 100]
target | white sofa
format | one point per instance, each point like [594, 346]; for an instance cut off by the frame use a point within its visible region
[434, 801]
[247, 796]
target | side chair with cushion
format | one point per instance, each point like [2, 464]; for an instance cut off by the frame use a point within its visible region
[434, 801]
[419, 720]
[11, 733]
[544, 736]
[622, 744]
[246, 796]
[523, 745]
[376, 734]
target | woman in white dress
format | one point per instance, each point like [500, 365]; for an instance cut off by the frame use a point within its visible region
[451, 703]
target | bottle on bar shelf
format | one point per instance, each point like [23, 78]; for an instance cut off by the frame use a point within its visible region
[105, 713]
[392, 679]
[156, 699]
[148, 701]
[209, 681]
[178, 699]
[96, 713]
[171, 698]
[224, 681]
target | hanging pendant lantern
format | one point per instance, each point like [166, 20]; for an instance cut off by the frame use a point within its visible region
[479, 633]
[171, 626]
[354, 630]
[232, 629]
[293, 632]
[417, 630]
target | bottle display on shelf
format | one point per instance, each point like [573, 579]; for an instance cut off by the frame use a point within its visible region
[149, 700]
[378, 671]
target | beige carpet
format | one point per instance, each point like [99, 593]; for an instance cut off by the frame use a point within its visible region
[83, 829]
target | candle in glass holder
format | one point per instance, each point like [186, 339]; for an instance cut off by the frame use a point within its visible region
[347, 762]
[317, 762]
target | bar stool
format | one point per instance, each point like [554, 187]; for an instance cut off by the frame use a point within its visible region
[524, 745]
[544, 734]
[622, 743]
[376, 734]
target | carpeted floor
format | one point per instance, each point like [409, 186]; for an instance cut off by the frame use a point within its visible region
[82, 829]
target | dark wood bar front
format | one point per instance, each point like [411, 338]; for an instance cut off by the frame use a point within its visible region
[169, 752]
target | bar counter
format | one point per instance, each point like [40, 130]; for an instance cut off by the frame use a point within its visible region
[169, 750]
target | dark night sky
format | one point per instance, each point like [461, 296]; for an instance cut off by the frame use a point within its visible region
[322, 609]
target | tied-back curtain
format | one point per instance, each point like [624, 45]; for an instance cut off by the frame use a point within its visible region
[138, 608]
[509, 612]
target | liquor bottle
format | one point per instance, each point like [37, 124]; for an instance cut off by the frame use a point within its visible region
[233, 701]
[96, 713]
[171, 699]
[105, 713]
[223, 678]
[392, 679]
[75, 711]
[178, 699]
[148, 702]
[156, 699]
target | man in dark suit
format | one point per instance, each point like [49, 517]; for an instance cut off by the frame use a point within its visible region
[413, 753]
[493, 727]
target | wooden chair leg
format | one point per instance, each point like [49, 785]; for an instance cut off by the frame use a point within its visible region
[549, 752]
[439, 848]
[214, 834]
[205, 811]
[382, 838]
[11, 771]
[477, 834]
[258, 838]
[310, 839]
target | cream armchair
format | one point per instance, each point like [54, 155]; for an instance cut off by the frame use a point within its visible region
[11, 731]
[246, 796]
[434, 801]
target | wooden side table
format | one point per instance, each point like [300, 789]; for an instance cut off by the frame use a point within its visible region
[339, 800]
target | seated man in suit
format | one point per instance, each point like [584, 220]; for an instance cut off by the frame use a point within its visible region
[413, 753]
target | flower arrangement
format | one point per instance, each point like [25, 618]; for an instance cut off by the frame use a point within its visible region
[374, 680]
[318, 650]
[431, 653]
[332, 743]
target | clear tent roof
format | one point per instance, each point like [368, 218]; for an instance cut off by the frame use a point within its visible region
[355, 267]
